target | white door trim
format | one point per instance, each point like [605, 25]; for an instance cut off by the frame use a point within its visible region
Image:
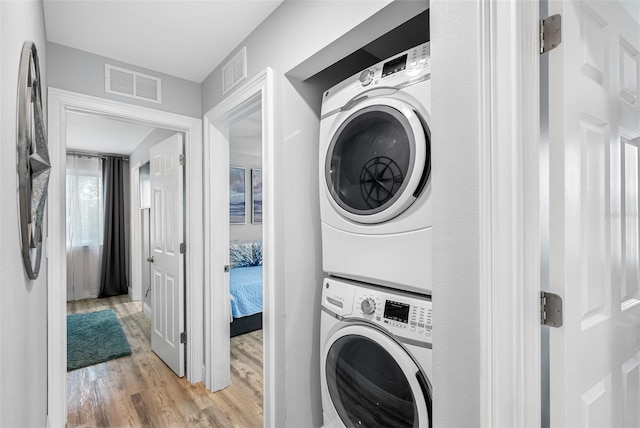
[136, 240]
[508, 215]
[216, 122]
[60, 102]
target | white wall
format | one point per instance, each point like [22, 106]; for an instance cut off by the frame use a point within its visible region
[248, 231]
[23, 303]
[141, 152]
[83, 72]
[456, 226]
[141, 156]
[316, 33]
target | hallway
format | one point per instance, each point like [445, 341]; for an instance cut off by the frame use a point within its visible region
[140, 390]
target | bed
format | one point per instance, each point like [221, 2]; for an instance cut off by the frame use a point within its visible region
[245, 287]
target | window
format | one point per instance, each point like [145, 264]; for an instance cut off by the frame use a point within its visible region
[85, 211]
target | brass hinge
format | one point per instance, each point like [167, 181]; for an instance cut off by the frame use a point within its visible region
[550, 33]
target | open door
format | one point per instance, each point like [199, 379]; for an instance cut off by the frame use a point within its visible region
[594, 232]
[167, 268]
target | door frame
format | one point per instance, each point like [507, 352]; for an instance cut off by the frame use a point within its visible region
[60, 103]
[509, 186]
[135, 239]
[216, 153]
[494, 66]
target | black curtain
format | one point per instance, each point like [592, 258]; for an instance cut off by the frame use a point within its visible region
[113, 277]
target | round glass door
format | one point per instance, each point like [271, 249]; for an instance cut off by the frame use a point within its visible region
[368, 387]
[373, 159]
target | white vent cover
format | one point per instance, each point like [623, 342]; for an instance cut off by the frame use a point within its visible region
[235, 70]
[132, 84]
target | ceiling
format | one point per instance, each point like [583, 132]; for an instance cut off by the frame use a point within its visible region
[182, 38]
[89, 133]
[245, 135]
[98, 134]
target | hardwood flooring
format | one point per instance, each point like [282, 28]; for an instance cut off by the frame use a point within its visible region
[141, 391]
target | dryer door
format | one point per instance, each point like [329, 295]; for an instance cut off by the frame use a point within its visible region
[378, 161]
[373, 382]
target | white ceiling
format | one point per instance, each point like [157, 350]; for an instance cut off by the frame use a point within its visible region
[182, 38]
[245, 135]
[89, 133]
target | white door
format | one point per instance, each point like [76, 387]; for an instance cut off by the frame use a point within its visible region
[167, 265]
[594, 232]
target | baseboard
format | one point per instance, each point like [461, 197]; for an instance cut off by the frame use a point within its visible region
[83, 296]
[146, 309]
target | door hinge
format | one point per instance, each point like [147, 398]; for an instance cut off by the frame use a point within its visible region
[181, 159]
[183, 248]
[550, 33]
[226, 268]
[183, 337]
[550, 309]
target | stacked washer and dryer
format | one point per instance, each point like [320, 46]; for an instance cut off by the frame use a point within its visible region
[376, 234]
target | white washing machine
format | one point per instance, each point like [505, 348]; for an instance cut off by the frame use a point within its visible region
[375, 164]
[375, 357]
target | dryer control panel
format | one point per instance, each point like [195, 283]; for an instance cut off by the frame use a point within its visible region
[415, 62]
[405, 69]
[404, 315]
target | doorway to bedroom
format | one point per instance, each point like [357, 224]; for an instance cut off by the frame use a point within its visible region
[245, 257]
[62, 105]
[240, 232]
[109, 337]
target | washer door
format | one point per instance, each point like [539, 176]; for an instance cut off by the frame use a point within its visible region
[378, 161]
[373, 382]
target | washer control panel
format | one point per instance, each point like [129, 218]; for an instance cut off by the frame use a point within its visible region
[402, 314]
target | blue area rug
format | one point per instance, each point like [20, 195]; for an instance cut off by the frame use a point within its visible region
[93, 338]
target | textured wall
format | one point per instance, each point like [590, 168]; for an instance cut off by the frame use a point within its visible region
[298, 40]
[23, 303]
[83, 72]
[456, 225]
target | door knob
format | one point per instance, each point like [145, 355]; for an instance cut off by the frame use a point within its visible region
[150, 259]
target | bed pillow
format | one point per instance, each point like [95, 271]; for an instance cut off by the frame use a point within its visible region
[245, 254]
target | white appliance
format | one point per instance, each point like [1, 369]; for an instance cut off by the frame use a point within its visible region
[375, 357]
[375, 163]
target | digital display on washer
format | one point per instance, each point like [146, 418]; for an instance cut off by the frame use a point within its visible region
[396, 311]
[394, 65]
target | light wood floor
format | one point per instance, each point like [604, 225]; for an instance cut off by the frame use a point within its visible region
[140, 390]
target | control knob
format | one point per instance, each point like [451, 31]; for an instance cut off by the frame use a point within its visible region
[366, 77]
[368, 306]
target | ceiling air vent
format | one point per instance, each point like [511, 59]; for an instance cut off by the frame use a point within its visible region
[132, 84]
[234, 71]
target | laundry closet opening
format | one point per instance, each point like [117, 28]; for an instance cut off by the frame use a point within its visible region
[373, 186]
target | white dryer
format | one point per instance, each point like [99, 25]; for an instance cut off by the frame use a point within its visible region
[376, 361]
[375, 164]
